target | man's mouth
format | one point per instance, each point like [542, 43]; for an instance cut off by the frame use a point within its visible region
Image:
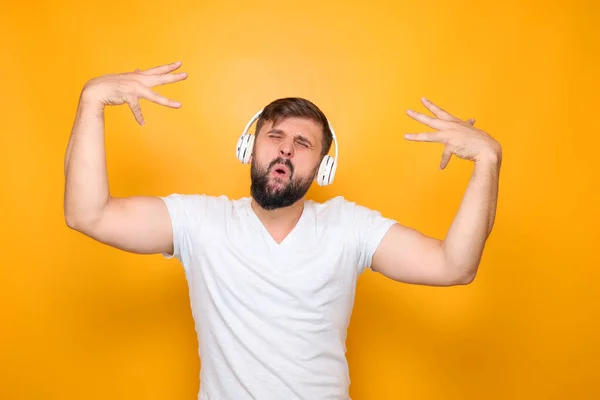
[280, 170]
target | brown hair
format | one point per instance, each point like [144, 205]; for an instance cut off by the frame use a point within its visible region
[296, 107]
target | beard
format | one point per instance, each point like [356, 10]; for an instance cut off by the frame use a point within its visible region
[271, 198]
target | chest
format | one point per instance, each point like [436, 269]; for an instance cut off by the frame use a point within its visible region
[303, 268]
[306, 277]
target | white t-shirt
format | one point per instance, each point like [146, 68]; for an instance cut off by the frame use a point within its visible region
[271, 318]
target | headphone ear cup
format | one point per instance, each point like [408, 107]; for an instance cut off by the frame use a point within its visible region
[244, 148]
[326, 171]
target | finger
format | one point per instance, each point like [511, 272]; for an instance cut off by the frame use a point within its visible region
[446, 155]
[427, 120]
[424, 137]
[158, 80]
[134, 105]
[146, 93]
[437, 111]
[162, 69]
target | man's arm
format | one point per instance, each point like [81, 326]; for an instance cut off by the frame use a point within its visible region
[138, 224]
[409, 256]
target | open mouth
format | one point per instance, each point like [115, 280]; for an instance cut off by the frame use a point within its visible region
[280, 171]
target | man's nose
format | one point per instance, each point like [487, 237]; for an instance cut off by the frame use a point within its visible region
[286, 149]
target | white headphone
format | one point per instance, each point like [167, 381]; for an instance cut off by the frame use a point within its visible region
[326, 169]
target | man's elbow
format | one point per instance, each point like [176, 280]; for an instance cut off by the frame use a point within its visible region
[80, 224]
[71, 221]
[464, 276]
[467, 279]
[83, 219]
[460, 271]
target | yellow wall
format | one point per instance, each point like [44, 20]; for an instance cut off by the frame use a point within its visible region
[84, 321]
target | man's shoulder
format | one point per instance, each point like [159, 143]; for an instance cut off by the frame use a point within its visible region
[342, 207]
[333, 203]
[338, 206]
[204, 201]
[221, 198]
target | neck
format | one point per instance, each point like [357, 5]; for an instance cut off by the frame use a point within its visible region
[281, 218]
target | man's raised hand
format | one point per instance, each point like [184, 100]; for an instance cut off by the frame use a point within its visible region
[459, 137]
[130, 87]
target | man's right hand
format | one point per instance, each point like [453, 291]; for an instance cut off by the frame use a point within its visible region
[130, 87]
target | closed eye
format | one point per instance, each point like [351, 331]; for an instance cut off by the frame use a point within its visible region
[301, 140]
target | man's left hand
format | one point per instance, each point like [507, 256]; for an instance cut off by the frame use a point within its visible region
[459, 137]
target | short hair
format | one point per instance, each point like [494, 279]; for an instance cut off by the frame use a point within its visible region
[297, 107]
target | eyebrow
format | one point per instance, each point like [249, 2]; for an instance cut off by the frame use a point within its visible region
[300, 137]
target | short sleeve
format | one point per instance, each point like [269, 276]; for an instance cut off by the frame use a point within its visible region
[369, 229]
[187, 212]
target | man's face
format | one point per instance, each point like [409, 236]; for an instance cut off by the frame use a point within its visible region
[285, 161]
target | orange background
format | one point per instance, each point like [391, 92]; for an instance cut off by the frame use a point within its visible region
[84, 321]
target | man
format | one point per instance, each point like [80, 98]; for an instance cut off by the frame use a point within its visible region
[272, 276]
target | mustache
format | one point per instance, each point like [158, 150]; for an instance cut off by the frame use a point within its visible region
[284, 161]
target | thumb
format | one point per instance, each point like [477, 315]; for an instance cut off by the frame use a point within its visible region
[445, 158]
